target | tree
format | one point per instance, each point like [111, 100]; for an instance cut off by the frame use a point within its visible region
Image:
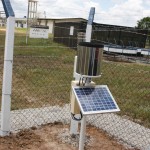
[144, 23]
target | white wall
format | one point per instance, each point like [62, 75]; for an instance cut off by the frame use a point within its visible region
[16, 25]
[43, 22]
[49, 23]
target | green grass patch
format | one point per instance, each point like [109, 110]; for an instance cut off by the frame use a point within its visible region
[130, 85]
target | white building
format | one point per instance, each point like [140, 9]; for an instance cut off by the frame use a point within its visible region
[50, 22]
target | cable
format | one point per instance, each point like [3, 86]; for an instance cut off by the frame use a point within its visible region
[77, 119]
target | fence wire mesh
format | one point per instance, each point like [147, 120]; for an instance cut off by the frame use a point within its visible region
[42, 75]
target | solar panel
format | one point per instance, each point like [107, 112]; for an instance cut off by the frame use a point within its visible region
[94, 100]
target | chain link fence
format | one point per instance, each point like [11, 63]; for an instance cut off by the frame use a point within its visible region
[42, 75]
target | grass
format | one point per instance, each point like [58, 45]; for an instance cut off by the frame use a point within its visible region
[44, 79]
[130, 86]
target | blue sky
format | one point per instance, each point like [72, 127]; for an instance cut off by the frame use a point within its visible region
[105, 4]
[116, 12]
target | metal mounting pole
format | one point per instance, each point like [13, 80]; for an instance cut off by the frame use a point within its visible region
[89, 25]
[82, 133]
[74, 124]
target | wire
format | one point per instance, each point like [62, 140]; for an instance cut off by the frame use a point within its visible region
[77, 119]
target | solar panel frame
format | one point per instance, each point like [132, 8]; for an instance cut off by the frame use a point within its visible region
[116, 109]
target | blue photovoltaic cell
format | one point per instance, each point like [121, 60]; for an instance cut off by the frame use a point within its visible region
[95, 99]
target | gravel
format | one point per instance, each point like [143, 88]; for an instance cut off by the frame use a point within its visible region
[73, 140]
[130, 134]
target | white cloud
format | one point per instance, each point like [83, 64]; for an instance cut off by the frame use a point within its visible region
[147, 2]
[126, 13]
[122, 12]
[70, 8]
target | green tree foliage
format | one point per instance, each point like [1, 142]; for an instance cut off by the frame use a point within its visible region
[144, 23]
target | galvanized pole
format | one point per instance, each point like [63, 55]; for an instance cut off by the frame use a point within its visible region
[74, 123]
[82, 133]
[89, 25]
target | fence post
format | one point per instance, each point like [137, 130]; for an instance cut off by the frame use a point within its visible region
[7, 77]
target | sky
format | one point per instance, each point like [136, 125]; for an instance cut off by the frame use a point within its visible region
[115, 12]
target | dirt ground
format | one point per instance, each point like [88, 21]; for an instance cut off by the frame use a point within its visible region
[56, 137]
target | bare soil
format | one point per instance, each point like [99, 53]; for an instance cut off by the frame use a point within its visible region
[56, 137]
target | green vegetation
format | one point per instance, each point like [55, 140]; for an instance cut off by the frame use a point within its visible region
[144, 23]
[44, 79]
[130, 85]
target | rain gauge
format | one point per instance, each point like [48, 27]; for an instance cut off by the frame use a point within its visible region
[87, 98]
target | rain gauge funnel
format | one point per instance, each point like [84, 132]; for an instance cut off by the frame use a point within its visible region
[89, 59]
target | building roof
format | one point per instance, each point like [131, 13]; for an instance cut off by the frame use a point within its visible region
[57, 20]
[82, 19]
